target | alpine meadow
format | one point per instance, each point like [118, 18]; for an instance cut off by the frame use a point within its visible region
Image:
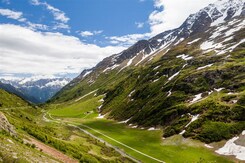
[128, 81]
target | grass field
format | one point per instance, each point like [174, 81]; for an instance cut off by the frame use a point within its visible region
[173, 149]
[80, 109]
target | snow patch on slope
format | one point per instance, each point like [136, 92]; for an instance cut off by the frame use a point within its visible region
[196, 98]
[194, 118]
[189, 43]
[230, 148]
[111, 68]
[184, 57]
[173, 76]
[203, 67]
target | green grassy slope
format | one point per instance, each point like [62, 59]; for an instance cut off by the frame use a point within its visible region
[30, 122]
[10, 100]
[147, 96]
[174, 149]
[151, 104]
[161, 93]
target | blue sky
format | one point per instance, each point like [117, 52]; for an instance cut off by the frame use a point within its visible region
[102, 18]
[64, 37]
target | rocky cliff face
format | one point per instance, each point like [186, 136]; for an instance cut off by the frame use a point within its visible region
[6, 126]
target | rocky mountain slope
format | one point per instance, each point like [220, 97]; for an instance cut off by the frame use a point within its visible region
[36, 89]
[5, 125]
[189, 80]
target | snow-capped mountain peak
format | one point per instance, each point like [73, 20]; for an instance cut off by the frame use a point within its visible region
[40, 87]
[208, 18]
[214, 14]
[36, 78]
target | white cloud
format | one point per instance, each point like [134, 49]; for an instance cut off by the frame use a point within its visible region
[89, 33]
[139, 24]
[16, 15]
[61, 26]
[170, 14]
[26, 51]
[35, 26]
[58, 14]
[127, 40]
[86, 33]
[12, 14]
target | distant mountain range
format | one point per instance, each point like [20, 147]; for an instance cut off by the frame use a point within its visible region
[34, 89]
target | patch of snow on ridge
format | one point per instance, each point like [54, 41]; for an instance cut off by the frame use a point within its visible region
[218, 89]
[235, 29]
[179, 41]
[100, 107]
[194, 118]
[157, 67]
[196, 98]
[169, 93]
[130, 61]
[228, 39]
[130, 94]
[208, 146]
[125, 121]
[145, 56]
[184, 57]
[203, 67]
[210, 45]
[230, 49]
[155, 80]
[152, 129]
[111, 68]
[100, 116]
[243, 133]
[182, 132]
[87, 73]
[174, 75]
[223, 8]
[210, 92]
[206, 45]
[230, 148]
[189, 43]
[101, 100]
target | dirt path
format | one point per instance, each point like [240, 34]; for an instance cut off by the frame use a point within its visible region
[52, 151]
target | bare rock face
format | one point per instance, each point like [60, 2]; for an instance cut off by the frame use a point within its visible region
[5, 125]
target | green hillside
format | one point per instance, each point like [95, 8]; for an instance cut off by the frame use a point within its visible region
[8, 100]
[28, 135]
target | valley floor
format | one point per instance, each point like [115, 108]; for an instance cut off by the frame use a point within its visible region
[75, 132]
[141, 144]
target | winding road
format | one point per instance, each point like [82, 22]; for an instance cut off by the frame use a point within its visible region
[76, 125]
